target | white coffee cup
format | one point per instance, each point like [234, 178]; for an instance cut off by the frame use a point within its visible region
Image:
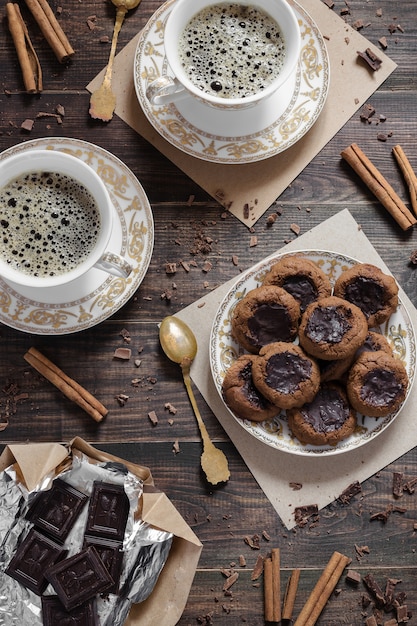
[175, 84]
[63, 164]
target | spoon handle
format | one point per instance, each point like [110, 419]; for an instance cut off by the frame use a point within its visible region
[203, 430]
[120, 15]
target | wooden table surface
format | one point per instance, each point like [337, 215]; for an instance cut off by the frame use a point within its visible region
[221, 517]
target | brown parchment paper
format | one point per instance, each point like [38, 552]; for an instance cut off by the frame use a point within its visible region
[322, 479]
[166, 603]
[259, 184]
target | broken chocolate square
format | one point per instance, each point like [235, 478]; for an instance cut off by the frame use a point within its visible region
[79, 578]
[108, 511]
[33, 556]
[111, 553]
[56, 510]
[371, 59]
[53, 613]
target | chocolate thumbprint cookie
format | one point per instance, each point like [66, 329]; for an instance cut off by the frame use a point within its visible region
[332, 328]
[336, 369]
[377, 384]
[286, 375]
[301, 277]
[241, 395]
[265, 315]
[374, 292]
[326, 420]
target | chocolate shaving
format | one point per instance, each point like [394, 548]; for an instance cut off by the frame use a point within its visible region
[352, 490]
[397, 484]
[375, 590]
[302, 514]
[258, 568]
[371, 59]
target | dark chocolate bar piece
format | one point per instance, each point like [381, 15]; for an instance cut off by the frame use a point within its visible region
[79, 578]
[108, 511]
[111, 553]
[34, 555]
[55, 511]
[54, 613]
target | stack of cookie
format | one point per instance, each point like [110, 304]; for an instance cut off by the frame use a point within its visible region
[312, 351]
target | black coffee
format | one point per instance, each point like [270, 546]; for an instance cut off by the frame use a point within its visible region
[231, 50]
[49, 223]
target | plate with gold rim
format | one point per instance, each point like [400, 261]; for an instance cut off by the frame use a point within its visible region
[235, 137]
[224, 350]
[96, 296]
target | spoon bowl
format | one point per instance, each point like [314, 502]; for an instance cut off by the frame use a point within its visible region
[180, 345]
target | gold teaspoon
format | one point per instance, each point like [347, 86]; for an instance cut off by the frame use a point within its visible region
[180, 345]
[103, 100]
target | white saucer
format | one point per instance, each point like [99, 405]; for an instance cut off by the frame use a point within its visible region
[236, 137]
[96, 296]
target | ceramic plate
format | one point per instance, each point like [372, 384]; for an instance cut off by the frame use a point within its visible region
[97, 295]
[224, 350]
[236, 137]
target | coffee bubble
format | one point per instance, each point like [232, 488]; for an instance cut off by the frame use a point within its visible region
[232, 50]
[49, 223]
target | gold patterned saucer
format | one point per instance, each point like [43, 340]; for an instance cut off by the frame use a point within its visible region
[96, 296]
[236, 137]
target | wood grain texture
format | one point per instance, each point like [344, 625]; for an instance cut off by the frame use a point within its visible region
[184, 214]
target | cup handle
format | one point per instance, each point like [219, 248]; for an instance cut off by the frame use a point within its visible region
[164, 90]
[114, 264]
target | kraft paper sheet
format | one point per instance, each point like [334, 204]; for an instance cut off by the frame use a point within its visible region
[260, 184]
[322, 479]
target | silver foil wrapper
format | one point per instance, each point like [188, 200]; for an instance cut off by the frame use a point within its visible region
[145, 549]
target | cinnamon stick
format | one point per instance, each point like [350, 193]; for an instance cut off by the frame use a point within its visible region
[69, 387]
[268, 591]
[290, 594]
[322, 590]
[276, 585]
[51, 29]
[379, 186]
[28, 59]
[408, 173]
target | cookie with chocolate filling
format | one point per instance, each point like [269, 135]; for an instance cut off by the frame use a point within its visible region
[332, 328]
[326, 420]
[266, 314]
[301, 277]
[374, 292]
[241, 395]
[286, 375]
[336, 369]
[377, 384]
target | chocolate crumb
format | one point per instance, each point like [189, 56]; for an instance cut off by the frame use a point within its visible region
[382, 137]
[329, 3]
[358, 24]
[242, 561]
[230, 581]
[402, 613]
[170, 268]
[176, 447]
[170, 408]
[296, 486]
[246, 211]
[367, 111]
[352, 576]
[253, 241]
[295, 229]
[153, 418]
[253, 542]
[27, 125]
[383, 43]
[122, 354]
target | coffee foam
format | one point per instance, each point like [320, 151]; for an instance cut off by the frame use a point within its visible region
[232, 50]
[49, 223]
